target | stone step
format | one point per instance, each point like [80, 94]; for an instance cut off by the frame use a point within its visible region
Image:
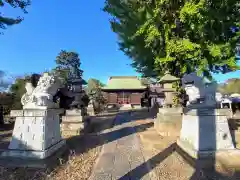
[73, 126]
[73, 118]
[67, 133]
[74, 112]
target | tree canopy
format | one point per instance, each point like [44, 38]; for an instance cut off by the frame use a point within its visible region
[8, 21]
[93, 85]
[18, 89]
[179, 36]
[95, 93]
[68, 65]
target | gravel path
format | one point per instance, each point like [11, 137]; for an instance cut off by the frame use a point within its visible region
[121, 157]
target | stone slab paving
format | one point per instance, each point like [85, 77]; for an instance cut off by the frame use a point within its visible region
[121, 157]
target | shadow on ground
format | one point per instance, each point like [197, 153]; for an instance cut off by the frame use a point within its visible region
[201, 172]
[104, 138]
[138, 114]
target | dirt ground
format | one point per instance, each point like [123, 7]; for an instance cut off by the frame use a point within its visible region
[76, 163]
[169, 162]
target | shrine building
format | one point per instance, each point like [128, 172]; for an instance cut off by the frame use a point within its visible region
[124, 90]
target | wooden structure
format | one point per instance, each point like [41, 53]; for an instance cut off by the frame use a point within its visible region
[124, 90]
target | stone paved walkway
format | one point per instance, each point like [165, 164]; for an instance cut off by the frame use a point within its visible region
[121, 157]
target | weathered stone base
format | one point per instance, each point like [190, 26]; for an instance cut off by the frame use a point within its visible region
[168, 128]
[31, 154]
[205, 132]
[169, 114]
[204, 154]
[168, 121]
[68, 128]
[36, 136]
[73, 123]
[70, 133]
[49, 162]
[36, 133]
[194, 153]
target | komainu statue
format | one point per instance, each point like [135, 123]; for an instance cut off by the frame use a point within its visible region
[198, 91]
[41, 96]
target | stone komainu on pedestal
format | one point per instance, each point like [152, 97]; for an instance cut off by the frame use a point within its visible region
[205, 129]
[36, 132]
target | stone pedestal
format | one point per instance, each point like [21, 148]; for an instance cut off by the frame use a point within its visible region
[36, 134]
[126, 107]
[137, 106]
[73, 123]
[169, 114]
[90, 110]
[168, 121]
[205, 132]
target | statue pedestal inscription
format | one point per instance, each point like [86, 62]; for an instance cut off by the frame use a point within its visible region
[73, 122]
[36, 134]
[205, 132]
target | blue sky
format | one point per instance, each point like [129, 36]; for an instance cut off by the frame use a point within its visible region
[79, 25]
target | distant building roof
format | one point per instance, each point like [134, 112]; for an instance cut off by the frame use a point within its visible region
[124, 82]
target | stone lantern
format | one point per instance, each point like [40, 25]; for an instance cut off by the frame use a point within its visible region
[168, 120]
[74, 122]
[76, 88]
[90, 108]
[167, 80]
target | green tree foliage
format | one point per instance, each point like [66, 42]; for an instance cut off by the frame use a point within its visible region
[68, 66]
[179, 36]
[18, 89]
[95, 93]
[93, 85]
[230, 87]
[6, 101]
[8, 21]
